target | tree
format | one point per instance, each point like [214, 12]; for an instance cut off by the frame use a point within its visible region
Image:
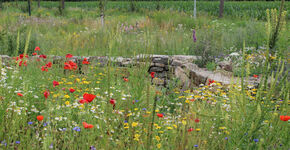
[221, 8]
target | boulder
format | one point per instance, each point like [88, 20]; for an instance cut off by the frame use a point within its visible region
[185, 81]
[226, 65]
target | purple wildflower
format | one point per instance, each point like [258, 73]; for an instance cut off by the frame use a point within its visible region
[93, 148]
[194, 36]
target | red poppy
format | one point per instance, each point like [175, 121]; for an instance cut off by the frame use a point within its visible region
[19, 94]
[192, 100]
[16, 58]
[82, 101]
[125, 79]
[210, 81]
[55, 83]
[49, 65]
[152, 74]
[44, 68]
[87, 98]
[190, 129]
[71, 90]
[34, 54]
[85, 61]
[87, 126]
[39, 118]
[70, 65]
[196, 120]
[42, 56]
[37, 48]
[113, 102]
[21, 56]
[255, 76]
[160, 115]
[46, 94]
[24, 63]
[285, 118]
[69, 56]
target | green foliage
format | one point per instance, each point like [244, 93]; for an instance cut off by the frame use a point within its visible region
[211, 66]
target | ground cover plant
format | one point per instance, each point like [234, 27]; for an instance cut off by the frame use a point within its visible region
[84, 105]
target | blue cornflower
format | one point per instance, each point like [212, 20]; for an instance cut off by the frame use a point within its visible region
[93, 148]
[256, 140]
[30, 122]
[78, 129]
[45, 124]
[126, 121]
[226, 138]
[195, 145]
[51, 146]
[136, 101]
[17, 142]
[144, 109]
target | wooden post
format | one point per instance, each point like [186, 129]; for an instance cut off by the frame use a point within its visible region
[29, 7]
[194, 10]
[38, 3]
[62, 4]
[221, 8]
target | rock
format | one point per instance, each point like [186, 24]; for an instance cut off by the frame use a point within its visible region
[158, 65]
[156, 69]
[158, 81]
[225, 65]
[161, 59]
[185, 81]
[177, 62]
[186, 58]
[161, 74]
[101, 61]
[5, 59]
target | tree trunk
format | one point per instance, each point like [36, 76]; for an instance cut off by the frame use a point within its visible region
[38, 3]
[221, 8]
[29, 7]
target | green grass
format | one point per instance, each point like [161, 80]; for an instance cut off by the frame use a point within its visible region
[233, 9]
[80, 32]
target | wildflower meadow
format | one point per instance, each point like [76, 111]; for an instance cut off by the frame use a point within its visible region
[146, 75]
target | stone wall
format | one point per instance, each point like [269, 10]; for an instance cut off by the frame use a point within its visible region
[166, 67]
